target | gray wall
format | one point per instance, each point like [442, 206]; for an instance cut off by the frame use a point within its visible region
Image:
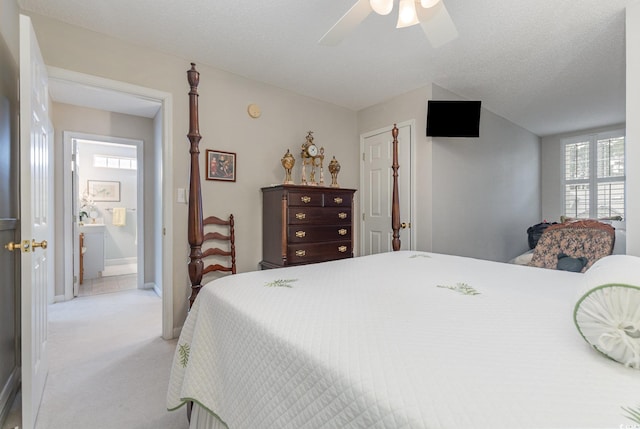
[486, 190]
[91, 121]
[476, 196]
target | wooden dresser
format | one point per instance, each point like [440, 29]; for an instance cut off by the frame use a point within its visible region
[306, 224]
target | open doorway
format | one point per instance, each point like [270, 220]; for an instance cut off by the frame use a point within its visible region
[114, 98]
[108, 205]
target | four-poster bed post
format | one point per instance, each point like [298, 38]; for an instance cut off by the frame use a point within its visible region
[395, 202]
[194, 225]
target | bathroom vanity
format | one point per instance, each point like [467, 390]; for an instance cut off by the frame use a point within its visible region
[92, 252]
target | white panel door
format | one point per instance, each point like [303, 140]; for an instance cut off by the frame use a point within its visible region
[36, 188]
[377, 182]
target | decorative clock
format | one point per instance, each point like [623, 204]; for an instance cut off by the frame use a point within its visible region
[314, 158]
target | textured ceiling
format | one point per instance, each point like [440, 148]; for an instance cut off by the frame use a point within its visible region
[548, 65]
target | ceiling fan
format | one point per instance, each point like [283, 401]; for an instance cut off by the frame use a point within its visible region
[432, 15]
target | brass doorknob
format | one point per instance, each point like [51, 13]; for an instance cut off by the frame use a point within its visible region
[25, 246]
[404, 225]
[42, 244]
[11, 246]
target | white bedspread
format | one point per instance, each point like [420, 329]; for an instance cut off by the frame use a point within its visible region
[398, 340]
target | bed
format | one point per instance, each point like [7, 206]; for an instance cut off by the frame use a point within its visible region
[408, 339]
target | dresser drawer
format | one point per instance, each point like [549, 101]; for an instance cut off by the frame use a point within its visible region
[305, 199]
[312, 234]
[303, 253]
[337, 199]
[319, 215]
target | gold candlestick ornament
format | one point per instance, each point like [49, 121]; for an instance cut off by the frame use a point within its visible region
[288, 161]
[334, 169]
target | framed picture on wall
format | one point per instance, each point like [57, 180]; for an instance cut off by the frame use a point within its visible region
[101, 190]
[221, 165]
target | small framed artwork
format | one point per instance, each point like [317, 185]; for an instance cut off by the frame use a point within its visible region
[101, 190]
[221, 165]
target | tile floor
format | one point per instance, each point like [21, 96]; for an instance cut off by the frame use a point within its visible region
[108, 284]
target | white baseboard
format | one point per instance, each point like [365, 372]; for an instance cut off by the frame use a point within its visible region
[59, 298]
[157, 290]
[176, 332]
[120, 261]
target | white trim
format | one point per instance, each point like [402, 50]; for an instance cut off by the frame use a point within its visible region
[168, 332]
[120, 261]
[176, 332]
[155, 288]
[412, 178]
[68, 221]
[166, 101]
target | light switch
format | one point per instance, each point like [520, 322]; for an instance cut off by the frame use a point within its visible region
[182, 195]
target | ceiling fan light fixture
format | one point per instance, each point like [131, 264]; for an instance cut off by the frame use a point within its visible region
[428, 3]
[381, 7]
[407, 15]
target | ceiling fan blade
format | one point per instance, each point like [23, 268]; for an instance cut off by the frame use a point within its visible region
[437, 24]
[354, 16]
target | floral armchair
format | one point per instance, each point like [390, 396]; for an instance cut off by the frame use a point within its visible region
[588, 239]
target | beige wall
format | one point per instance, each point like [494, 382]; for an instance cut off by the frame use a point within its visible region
[91, 121]
[224, 125]
[9, 26]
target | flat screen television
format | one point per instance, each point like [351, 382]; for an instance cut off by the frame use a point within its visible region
[449, 118]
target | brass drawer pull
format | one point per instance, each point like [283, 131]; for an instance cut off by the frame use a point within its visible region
[305, 199]
[342, 249]
[300, 216]
[337, 200]
[342, 231]
[342, 215]
[300, 234]
[300, 253]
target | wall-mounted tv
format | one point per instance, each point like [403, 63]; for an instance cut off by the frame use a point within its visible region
[449, 118]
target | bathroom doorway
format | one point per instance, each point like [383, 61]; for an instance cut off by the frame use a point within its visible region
[107, 200]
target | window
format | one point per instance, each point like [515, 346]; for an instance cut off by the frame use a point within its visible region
[594, 178]
[114, 162]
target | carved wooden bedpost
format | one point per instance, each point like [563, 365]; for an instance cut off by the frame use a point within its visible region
[195, 226]
[395, 208]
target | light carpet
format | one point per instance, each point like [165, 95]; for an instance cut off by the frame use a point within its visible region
[109, 366]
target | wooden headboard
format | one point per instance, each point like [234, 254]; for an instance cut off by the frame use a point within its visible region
[195, 228]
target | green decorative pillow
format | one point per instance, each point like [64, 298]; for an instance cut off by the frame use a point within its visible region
[607, 312]
[567, 263]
